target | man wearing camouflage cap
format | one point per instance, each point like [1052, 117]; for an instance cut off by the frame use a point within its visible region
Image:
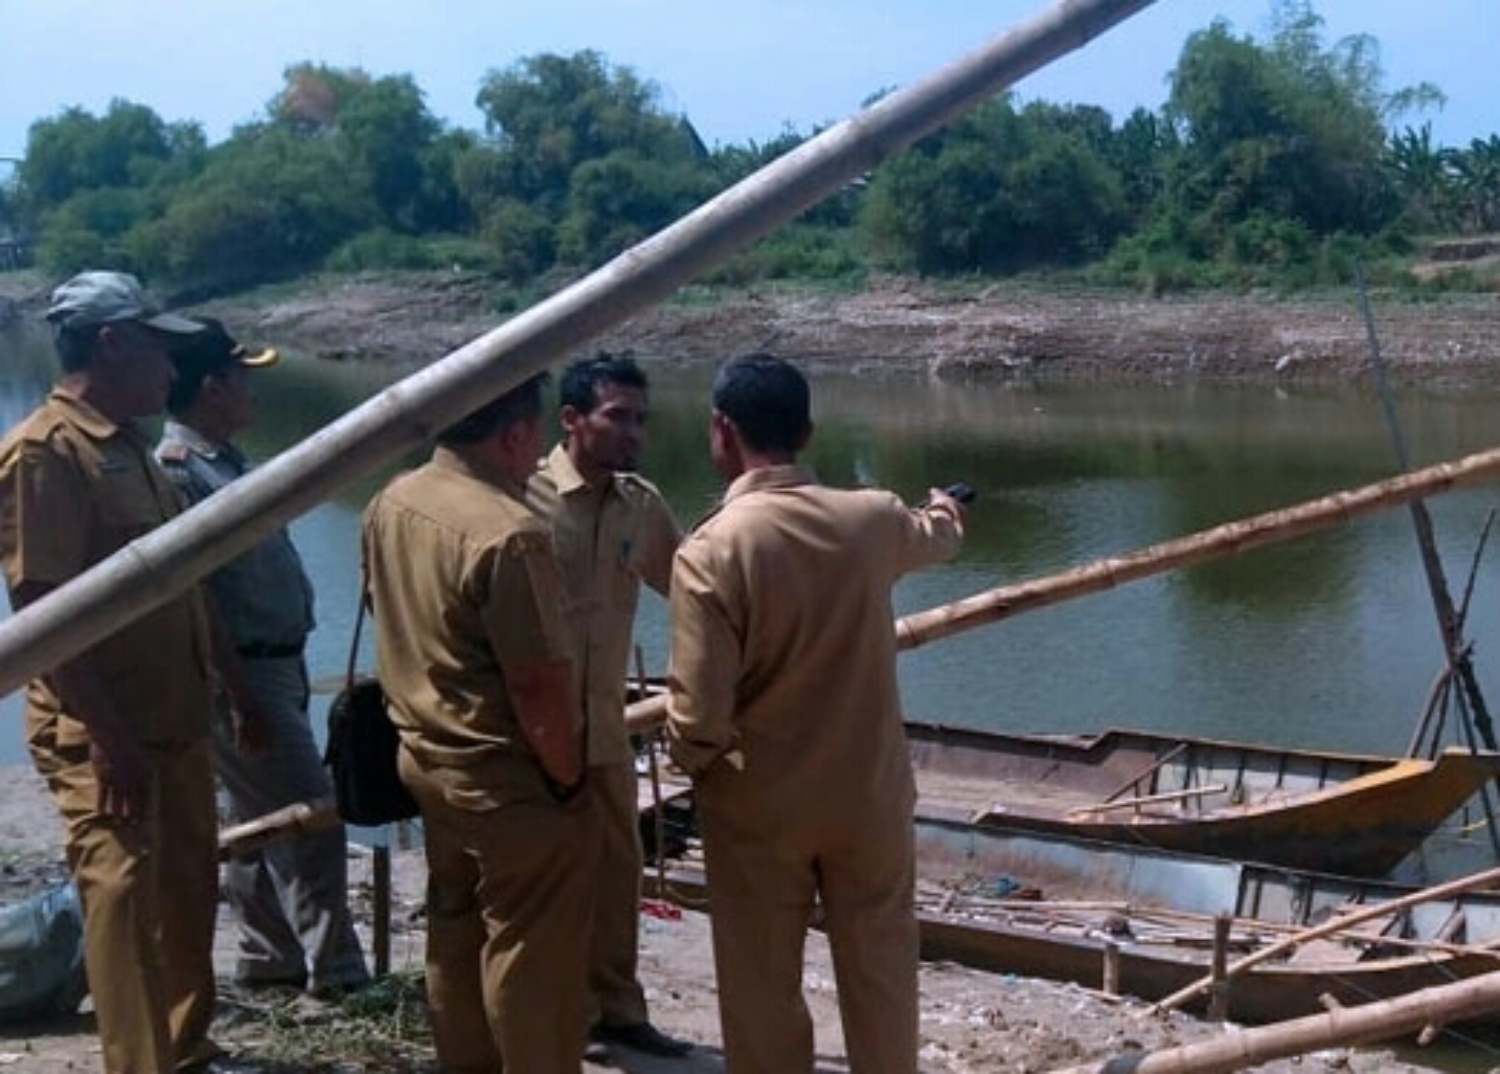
[120, 731]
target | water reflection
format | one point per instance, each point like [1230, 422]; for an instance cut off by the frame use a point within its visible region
[1326, 641]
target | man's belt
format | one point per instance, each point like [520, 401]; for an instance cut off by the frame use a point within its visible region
[262, 650]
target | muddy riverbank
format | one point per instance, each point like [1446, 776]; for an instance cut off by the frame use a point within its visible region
[905, 325]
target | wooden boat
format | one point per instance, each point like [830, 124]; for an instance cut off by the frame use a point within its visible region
[1051, 905]
[1342, 813]
[1156, 908]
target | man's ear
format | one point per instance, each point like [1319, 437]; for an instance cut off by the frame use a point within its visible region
[722, 428]
[568, 416]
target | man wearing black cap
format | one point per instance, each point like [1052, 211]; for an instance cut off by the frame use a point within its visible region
[290, 898]
[120, 731]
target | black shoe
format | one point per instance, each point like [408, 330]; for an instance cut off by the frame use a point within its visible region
[645, 1038]
[596, 1053]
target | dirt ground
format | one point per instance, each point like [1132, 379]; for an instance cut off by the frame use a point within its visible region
[972, 1022]
[906, 325]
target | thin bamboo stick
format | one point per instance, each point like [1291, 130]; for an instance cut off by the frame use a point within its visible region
[1339, 924]
[1163, 798]
[1232, 537]
[280, 824]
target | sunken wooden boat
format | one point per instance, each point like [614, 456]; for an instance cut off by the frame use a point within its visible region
[1047, 905]
[1060, 907]
[1351, 814]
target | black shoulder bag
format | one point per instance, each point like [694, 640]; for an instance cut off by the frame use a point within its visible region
[362, 745]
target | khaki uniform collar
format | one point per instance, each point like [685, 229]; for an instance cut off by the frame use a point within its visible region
[448, 459]
[81, 414]
[566, 476]
[783, 476]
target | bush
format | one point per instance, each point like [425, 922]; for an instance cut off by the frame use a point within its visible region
[798, 251]
[382, 249]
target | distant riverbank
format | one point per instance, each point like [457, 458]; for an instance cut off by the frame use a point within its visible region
[895, 324]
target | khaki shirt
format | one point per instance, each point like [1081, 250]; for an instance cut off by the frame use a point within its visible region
[609, 538]
[461, 576]
[784, 645]
[74, 489]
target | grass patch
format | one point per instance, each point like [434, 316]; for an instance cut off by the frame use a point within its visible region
[382, 1028]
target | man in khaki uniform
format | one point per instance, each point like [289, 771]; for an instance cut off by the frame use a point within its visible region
[476, 661]
[784, 707]
[611, 530]
[120, 731]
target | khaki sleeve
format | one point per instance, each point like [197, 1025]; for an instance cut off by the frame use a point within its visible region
[660, 537]
[929, 535]
[705, 666]
[51, 515]
[523, 602]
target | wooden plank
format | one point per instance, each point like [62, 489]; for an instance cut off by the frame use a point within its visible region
[1149, 799]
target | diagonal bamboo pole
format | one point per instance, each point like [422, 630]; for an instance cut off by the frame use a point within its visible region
[1239, 536]
[167, 561]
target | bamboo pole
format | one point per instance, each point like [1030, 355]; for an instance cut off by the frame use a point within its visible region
[1365, 1024]
[1232, 537]
[1337, 924]
[280, 824]
[165, 562]
[1282, 524]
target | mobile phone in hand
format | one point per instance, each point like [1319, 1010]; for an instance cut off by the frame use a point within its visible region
[959, 490]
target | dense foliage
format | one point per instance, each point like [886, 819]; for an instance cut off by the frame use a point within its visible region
[1271, 162]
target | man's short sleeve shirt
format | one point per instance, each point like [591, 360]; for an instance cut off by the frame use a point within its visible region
[74, 489]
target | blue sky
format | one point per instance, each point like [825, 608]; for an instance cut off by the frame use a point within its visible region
[739, 69]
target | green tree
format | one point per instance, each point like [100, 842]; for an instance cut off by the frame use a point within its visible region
[1476, 172]
[91, 229]
[999, 191]
[618, 200]
[551, 122]
[386, 131]
[1423, 177]
[1290, 129]
[76, 151]
[271, 202]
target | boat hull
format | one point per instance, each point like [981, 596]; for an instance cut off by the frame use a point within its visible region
[1342, 813]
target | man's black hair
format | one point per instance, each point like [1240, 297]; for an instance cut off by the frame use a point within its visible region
[768, 400]
[579, 388]
[75, 345]
[521, 403]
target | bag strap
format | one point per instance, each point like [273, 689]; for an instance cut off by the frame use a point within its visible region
[359, 622]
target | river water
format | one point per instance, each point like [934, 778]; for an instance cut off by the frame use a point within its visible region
[1326, 641]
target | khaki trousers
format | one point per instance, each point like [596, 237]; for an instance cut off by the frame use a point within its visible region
[763, 882]
[509, 901]
[149, 893]
[615, 995]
